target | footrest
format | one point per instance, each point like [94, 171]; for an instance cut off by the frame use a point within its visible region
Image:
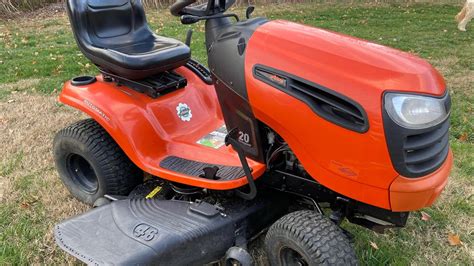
[194, 168]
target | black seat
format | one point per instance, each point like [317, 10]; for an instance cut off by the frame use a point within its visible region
[114, 35]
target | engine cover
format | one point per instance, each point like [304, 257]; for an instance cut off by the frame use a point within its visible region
[322, 92]
[164, 232]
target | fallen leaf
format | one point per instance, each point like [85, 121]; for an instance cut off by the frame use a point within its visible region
[425, 216]
[454, 239]
[28, 204]
[463, 137]
[372, 244]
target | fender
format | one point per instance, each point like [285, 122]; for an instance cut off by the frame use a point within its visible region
[148, 130]
[355, 163]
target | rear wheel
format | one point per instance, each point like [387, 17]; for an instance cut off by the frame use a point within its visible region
[91, 164]
[308, 238]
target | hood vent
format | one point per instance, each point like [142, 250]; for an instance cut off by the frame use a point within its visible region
[328, 104]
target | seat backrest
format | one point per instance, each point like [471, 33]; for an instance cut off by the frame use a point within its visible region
[108, 23]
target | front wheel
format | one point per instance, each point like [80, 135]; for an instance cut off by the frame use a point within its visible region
[308, 238]
[91, 164]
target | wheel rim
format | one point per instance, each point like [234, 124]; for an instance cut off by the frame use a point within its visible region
[290, 256]
[82, 173]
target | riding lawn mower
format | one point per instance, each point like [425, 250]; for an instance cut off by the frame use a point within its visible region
[288, 132]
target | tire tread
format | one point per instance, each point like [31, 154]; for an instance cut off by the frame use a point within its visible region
[323, 241]
[118, 170]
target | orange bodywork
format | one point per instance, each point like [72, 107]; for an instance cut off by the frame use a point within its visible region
[407, 194]
[354, 164]
[148, 130]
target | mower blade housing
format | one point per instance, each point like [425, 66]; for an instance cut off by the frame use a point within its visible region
[164, 232]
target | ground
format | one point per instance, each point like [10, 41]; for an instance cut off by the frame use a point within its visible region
[38, 53]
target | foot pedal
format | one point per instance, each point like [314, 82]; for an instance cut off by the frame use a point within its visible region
[210, 173]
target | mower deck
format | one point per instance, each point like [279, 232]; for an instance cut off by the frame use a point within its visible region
[164, 232]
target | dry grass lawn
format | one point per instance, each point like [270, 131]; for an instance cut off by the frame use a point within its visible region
[38, 54]
[30, 186]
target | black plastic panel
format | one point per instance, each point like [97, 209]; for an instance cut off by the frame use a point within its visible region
[226, 43]
[328, 104]
[194, 168]
[238, 115]
[106, 3]
[83, 80]
[227, 53]
[153, 86]
[417, 152]
[164, 232]
[197, 68]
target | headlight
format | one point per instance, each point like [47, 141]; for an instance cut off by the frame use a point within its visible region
[415, 111]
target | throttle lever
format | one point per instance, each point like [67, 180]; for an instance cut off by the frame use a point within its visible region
[191, 19]
[249, 11]
[189, 35]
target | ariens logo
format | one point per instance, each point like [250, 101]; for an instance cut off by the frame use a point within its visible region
[96, 109]
[184, 112]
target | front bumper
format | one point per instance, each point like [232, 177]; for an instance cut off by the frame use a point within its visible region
[409, 194]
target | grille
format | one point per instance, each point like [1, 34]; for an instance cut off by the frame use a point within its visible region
[427, 151]
[415, 153]
[328, 104]
[332, 107]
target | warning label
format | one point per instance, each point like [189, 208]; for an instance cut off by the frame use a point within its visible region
[215, 139]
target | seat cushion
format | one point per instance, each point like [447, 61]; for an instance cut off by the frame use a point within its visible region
[140, 60]
[147, 58]
[143, 48]
[159, 52]
[114, 35]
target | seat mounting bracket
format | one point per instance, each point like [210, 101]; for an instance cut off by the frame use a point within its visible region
[153, 86]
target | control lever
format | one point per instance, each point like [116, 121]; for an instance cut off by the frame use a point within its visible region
[229, 140]
[191, 19]
[249, 11]
[189, 35]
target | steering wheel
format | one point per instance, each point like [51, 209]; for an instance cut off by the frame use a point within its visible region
[182, 7]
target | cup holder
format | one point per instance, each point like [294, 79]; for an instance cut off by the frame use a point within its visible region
[83, 80]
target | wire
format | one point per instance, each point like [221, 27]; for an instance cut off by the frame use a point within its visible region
[276, 152]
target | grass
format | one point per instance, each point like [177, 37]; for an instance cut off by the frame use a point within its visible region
[38, 53]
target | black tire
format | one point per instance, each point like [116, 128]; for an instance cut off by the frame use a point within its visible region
[91, 164]
[308, 238]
